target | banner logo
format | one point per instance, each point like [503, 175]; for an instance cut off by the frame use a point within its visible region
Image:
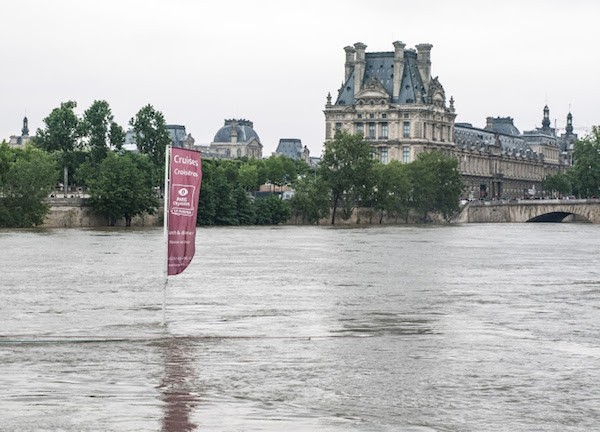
[184, 192]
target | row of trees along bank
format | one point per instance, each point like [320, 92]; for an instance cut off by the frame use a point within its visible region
[583, 178]
[86, 151]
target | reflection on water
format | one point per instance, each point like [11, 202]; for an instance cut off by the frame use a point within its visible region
[462, 328]
[179, 395]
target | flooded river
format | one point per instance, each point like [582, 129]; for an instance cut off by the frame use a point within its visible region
[492, 327]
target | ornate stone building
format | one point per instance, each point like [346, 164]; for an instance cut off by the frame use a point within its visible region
[392, 99]
[179, 137]
[237, 138]
[24, 138]
[499, 161]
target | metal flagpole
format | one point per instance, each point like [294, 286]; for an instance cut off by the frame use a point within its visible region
[166, 231]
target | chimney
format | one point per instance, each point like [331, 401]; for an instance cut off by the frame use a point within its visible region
[359, 66]
[424, 63]
[234, 135]
[349, 62]
[398, 68]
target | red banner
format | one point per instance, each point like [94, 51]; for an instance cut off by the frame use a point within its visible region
[184, 191]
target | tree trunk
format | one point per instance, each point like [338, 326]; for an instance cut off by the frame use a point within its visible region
[335, 202]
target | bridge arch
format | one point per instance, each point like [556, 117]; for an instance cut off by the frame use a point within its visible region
[559, 216]
[574, 210]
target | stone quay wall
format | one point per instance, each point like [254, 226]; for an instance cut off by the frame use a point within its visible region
[77, 213]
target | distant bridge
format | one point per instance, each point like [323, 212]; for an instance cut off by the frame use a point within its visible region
[550, 210]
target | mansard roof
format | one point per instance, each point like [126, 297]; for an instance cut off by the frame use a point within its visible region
[503, 125]
[242, 129]
[290, 147]
[467, 134]
[380, 65]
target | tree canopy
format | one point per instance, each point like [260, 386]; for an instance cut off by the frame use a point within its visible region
[585, 172]
[123, 184]
[121, 187]
[62, 129]
[436, 184]
[346, 169]
[151, 135]
[559, 183]
[26, 178]
[101, 131]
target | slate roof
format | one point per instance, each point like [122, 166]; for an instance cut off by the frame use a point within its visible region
[381, 66]
[503, 125]
[244, 129]
[177, 134]
[290, 147]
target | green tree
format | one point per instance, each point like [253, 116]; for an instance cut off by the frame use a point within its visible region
[62, 130]
[381, 195]
[151, 135]
[61, 134]
[391, 195]
[248, 177]
[121, 187]
[282, 170]
[225, 204]
[208, 198]
[436, 184]
[398, 175]
[101, 130]
[26, 178]
[245, 211]
[271, 210]
[311, 200]
[585, 172]
[346, 167]
[559, 183]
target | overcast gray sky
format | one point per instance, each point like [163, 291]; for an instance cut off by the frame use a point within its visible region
[273, 62]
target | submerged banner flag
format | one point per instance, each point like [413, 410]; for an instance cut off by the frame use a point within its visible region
[184, 191]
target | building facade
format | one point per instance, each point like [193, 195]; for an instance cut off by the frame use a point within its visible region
[392, 99]
[500, 162]
[179, 137]
[292, 148]
[237, 138]
[24, 138]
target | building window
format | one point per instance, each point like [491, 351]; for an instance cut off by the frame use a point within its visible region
[406, 130]
[371, 115]
[372, 130]
[360, 128]
[359, 115]
[405, 115]
[383, 155]
[405, 154]
[384, 115]
[384, 131]
[338, 126]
